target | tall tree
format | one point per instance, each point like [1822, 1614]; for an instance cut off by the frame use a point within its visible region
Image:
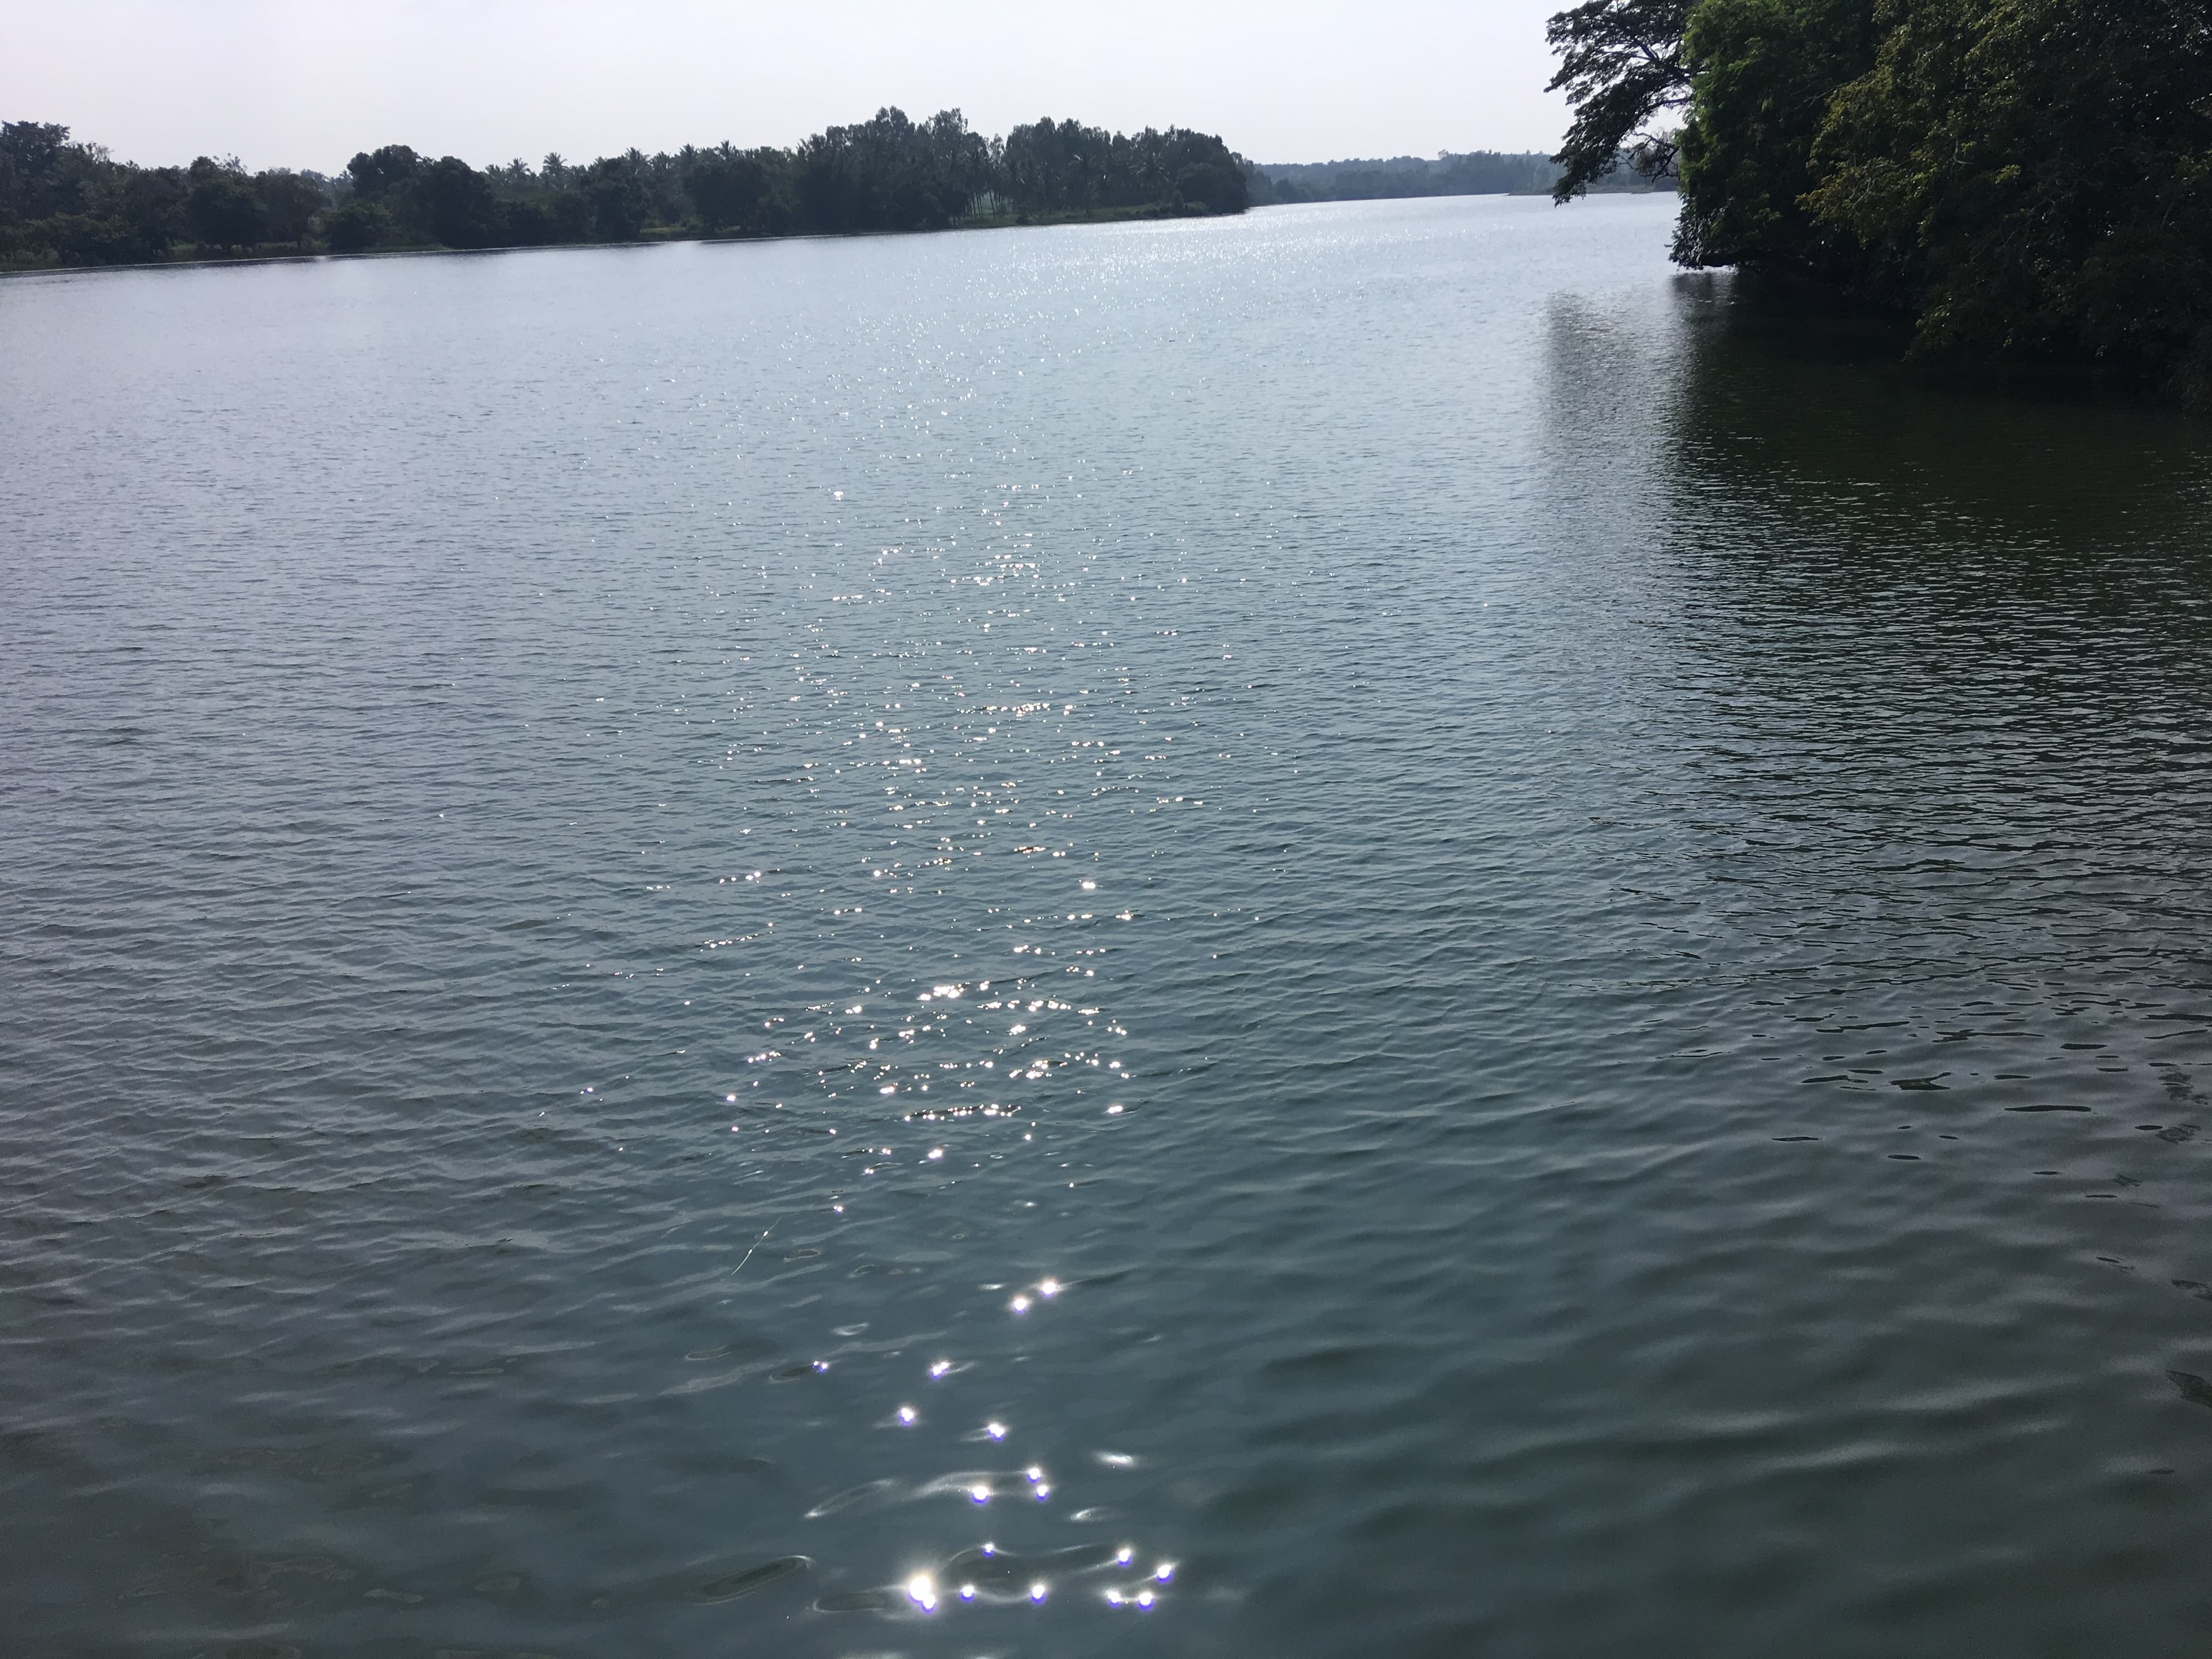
[1620, 65]
[375, 172]
[728, 187]
[291, 201]
[30, 164]
[222, 207]
[458, 203]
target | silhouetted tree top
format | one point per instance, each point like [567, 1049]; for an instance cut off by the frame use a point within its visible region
[1620, 65]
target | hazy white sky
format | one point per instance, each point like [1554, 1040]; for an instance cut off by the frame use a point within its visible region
[308, 82]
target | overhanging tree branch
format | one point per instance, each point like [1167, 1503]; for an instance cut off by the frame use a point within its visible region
[1620, 65]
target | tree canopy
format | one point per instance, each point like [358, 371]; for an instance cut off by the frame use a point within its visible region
[2025, 178]
[1620, 65]
[68, 204]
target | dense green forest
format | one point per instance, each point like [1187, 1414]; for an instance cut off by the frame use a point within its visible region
[67, 204]
[2025, 181]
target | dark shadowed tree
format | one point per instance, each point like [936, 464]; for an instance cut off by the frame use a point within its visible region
[222, 207]
[356, 226]
[728, 187]
[2033, 178]
[374, 171]
[1059, 167]
[458, 203]
[30, 167]
[618, 200]
[291, 201]
[150, 201]
[1762, 74]
[1620, 65]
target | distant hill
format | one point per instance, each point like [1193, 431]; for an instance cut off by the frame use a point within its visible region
[1477, 173]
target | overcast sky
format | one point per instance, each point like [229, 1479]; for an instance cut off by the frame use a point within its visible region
[308, 82]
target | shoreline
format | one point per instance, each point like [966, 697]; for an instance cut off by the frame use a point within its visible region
[1151, 213]
[1003, 221]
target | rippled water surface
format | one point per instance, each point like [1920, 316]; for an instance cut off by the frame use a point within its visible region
[1364, 931]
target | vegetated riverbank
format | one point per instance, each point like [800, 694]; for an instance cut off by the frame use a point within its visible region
[71, 205]
[2025, 181]
[651, 236]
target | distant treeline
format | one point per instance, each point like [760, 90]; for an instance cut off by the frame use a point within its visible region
[70, 204]
[1478, 172]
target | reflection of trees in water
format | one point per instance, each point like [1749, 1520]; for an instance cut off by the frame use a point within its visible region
[1887, 623]
[1809, 476]
[1792, 430]
[1771, 450]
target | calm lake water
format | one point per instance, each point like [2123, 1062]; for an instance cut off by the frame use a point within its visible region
[1366, 931]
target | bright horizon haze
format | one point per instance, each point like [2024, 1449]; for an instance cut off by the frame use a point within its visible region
[307, 84]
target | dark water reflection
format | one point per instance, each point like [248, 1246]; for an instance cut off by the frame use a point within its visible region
[1367, 931]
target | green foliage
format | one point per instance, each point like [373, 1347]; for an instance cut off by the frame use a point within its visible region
[150, 203]
[2034, 178]
[458, 205]
[619, 199]
[32, 176]
[290, 202]
[1762, 73]
[223, 208]
[374, 172]
[2024, 179]
[886, 173]
[732, 190]
[68, 204]
[1062, 167]
[357, 227]
[1620, 65]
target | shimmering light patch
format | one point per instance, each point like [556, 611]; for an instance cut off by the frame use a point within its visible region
[1143, 1598]
[979, 1492]
[967, 1592]
[996, 1430]
[1125, 1555]
[1048, 1287]
[1164, 1571]
[1019, 1304]
[1037, 1590]
[922, 1592]
[906, 1413]
[939, 1367]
